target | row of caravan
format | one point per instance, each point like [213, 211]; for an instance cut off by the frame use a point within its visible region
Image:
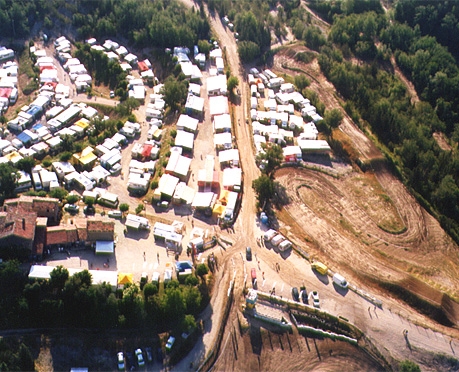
[277, 240]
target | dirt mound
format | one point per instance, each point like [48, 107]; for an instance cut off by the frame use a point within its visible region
[266, 349]
[425, 299]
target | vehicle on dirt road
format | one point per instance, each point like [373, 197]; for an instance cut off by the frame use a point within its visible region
[295, 294]
[120, 358]
[315, 298]
[248, 254]
[149, 354]
[139, 355]
[304, 296]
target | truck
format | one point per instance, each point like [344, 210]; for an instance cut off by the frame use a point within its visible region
[200, 245]
[339, 280]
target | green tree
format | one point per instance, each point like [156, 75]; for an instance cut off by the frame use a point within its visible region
[26, 164]
[188, 323]
[8, 178]
[58, 277]
[271, 156]
[248, 51]
[124, 207]
[150, 289]
[72, 198]
[140, 208]
[204, 46]
[25, 359]
[446, 197]
[232, 83]
[67, 144]
[66, 155]
[333, 117]
[201, 270]
[301, 82]
[192, 298]
[58, 193]
[175, 92]
[408, 366]
[264, 188]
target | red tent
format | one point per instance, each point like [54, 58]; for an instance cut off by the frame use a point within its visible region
[5, 92]
[142, 66]
[146, 151]
[47, 67]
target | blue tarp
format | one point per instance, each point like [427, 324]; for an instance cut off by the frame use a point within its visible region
[24, 137]
[183, 265]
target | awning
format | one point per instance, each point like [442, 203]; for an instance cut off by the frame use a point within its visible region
[105, 247]
[124, 278]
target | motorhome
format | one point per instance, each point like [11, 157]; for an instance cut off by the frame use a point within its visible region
[340, 281]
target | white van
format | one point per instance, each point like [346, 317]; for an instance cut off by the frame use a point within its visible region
[340, 281]
[155, 278]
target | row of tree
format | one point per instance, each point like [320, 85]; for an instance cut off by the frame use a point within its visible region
[162, 23]
[73, 301]
[384, 103]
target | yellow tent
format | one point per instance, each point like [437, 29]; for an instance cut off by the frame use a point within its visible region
[82, 123]
[218, 209]
[124, 278]
[224, 197]
[88, 158]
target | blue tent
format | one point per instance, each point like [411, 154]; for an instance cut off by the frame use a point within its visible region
[37, 126]
[35, 111]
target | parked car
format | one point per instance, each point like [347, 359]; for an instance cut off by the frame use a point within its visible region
[159, 355]
[170, 343]
[295, 294]
[112, 94]
[130, 364]
[248, 254]
[72, 208]
[139, 356]
[149, 354]
[89, 210]
[120, 357]
[115, 214]
[315, 299]
[163, 204]
[304, 296]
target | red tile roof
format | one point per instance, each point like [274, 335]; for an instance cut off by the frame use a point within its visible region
[61, 234]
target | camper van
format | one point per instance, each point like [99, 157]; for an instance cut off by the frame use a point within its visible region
[340, 281]
[320, 267]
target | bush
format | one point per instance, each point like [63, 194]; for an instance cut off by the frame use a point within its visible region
[139, 208]
[154, 185]
[72, 199]
[124, 207]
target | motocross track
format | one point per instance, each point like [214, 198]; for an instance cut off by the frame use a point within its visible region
[421, 247]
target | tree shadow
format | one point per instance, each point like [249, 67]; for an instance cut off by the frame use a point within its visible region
[281, 197]
[255, 339]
